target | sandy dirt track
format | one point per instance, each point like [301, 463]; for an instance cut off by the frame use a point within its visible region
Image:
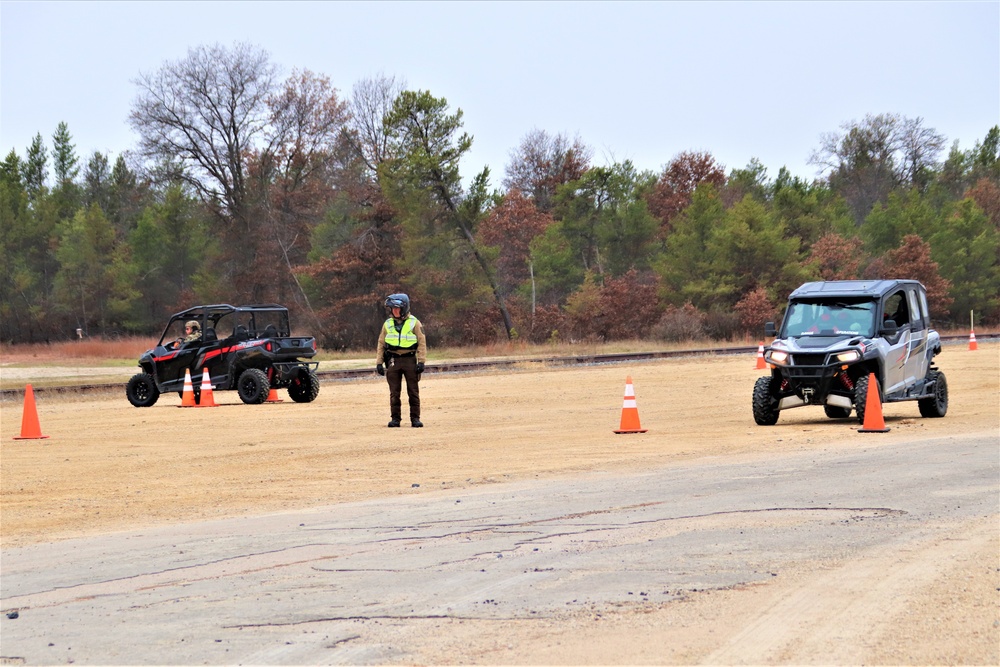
[110, 467]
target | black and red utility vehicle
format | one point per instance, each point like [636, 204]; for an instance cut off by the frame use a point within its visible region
[246, 348]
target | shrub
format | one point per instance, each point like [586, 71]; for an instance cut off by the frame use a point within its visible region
[723, 325]
[680, 324]
[754, 309]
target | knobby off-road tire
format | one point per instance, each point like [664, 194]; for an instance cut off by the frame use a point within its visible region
[304, 388]
[141, 390]
[765, 407]
[861, 396]
[936, 405]
[253, 386]
[836, 412]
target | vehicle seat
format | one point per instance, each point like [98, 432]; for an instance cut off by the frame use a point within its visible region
[210, 336]
[241, 333]
[270, 331]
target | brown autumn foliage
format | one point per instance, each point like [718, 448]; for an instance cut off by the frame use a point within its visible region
[511, 226]
[353, 282]
[673, 190]
[912, 261]
[756, 308]
[622, 308]
[546, 323]
[986, 194]
[479, 325]
[836, 257]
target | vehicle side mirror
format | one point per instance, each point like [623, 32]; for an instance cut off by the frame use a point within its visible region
[889, 329]
[769, 330]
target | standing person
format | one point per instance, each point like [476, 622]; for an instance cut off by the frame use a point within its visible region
[402, 351]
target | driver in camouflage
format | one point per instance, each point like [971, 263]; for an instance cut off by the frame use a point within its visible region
[402, 352]
[192, 333]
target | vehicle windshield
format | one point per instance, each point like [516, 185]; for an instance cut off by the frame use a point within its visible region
[175, 331]
[829, 317]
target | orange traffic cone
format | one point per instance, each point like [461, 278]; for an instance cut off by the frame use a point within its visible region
[873, 409]
[206, 400]
[187, 398]
[272, 396]
[630, 413]
[30, 428]
[972, 341]
[760, 357]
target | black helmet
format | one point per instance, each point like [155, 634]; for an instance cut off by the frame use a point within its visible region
[400, 301]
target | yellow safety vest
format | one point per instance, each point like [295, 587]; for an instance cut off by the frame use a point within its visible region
[403, 338]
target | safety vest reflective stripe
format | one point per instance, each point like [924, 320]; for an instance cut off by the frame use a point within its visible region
[402, 339]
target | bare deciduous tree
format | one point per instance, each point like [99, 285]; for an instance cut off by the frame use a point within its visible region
[371, 102]
[257, 151]
[920, 148]
[870, 158]
[542, 163]
[307, 120]
[207, 112]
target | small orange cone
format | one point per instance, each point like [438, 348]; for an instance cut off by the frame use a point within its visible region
[272, 396]
[972, 341]
[30, 428]
[630, 413]
[760, 357]
[206, 400]
[187, 398]
[874, 423]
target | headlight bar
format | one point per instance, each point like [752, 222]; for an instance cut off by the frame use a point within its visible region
[783, 358]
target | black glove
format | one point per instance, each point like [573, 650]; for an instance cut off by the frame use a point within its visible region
[420, 367]
[380, 369]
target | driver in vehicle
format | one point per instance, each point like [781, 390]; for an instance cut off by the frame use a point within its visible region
[192, 333]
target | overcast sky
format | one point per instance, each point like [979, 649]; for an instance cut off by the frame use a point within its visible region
[641, 81]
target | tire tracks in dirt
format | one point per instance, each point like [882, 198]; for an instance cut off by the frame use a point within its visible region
[845, 614]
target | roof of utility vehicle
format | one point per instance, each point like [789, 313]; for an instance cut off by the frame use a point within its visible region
[849, 288]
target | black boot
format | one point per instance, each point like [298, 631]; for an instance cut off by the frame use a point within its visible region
[416, 423]
[393, 423]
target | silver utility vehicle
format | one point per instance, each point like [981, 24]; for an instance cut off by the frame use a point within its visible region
[836, 334]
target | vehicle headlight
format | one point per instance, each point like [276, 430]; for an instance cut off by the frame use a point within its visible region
[849, 356]
[777, 357]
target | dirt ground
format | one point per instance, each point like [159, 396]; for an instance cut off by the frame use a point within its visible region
[109, 467]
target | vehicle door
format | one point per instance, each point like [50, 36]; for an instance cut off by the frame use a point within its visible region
[896, 307]
[173, 359]
[916, 359]
[219, 337]
[209, 355]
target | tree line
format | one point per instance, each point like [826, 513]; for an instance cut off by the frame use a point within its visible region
[250, 188]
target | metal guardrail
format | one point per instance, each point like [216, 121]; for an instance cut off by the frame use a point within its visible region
[474, 366]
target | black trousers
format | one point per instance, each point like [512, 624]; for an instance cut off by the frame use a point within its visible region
[396, 368]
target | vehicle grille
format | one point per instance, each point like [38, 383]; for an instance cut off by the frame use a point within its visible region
[808, 359]
[807, 369]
